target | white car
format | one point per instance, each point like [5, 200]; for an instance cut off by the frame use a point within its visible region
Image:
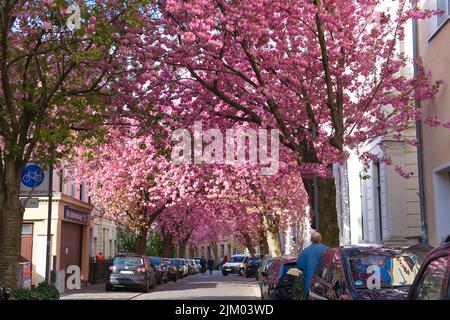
[236, 264]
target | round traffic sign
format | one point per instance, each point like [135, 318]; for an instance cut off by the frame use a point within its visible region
[32, 176]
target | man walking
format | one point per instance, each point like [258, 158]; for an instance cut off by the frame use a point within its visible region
[203, 265]
[309, 258]
[210, 265]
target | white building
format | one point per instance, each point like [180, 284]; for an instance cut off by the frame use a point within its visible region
[378, 205]
[103, 236]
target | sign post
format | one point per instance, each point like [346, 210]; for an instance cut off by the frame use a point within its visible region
[49, 225]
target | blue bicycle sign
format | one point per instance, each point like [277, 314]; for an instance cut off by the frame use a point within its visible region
[32, 176]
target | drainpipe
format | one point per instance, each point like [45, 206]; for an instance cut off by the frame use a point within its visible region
[419, 135]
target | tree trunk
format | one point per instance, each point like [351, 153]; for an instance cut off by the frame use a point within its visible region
[11, 218]
[328, 224]
[263, 245]
[141, 241]
[182, 249]
[273, 240]
[215, 251]
[166, 246]
[249, 244]
[273, 237]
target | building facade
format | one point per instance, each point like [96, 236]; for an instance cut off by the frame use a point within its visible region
[103, 236]
[71, 223]
[78, 232]
[376, 205]
[434, 48]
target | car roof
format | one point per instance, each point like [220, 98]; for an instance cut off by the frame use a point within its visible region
[443, 247]
[387, 251]
[128, 254]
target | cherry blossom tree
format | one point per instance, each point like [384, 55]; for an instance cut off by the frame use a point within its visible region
[323, 72]
[56, 70]
[132, 181]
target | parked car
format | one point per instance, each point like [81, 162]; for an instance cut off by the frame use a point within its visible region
[236, 265]
[275, 285]
[185, 267]
[161, 269]
[265, 264]
[172, 271]
[433, 279]
[193, 268]
[181, 267]
[252, 266]
[366, 273]
[131, 271]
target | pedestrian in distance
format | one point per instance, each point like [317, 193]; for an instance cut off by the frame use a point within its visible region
[225, 260]
[203, 264]
[210, 265]
[309, 258]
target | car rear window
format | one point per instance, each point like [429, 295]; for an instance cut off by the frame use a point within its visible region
[130, 262]
[177, 262]
[383, 271]
[236, 259]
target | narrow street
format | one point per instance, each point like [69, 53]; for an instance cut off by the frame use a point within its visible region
[195, 287]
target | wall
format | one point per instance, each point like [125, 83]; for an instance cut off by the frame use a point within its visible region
[435, 53]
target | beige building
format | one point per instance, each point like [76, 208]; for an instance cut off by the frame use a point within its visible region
[71, 225]
[434, 48]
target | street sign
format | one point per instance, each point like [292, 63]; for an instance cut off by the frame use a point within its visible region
[34, 176]
[31, 203]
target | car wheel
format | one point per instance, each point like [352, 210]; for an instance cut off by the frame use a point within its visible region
[241, 272]
[224, 273]
[247, 275]
[166, 280]
[108, 287]
[145, 288]
[153, 285]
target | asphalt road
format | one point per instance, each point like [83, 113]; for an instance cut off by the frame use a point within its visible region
[194, 287]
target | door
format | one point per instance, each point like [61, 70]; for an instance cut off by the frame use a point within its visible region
[71, 244]
[26, 245]
[320, 283]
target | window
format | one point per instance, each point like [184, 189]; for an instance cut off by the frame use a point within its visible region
[393, 271]
[430, 285]
[72, 190]
[435, 23]
[442, 5]
[378, 197]
[82, 192]
[27, 229]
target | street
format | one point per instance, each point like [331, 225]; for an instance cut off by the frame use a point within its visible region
[195, 287]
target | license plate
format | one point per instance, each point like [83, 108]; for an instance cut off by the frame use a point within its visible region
[126, 272]
[227, 269]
